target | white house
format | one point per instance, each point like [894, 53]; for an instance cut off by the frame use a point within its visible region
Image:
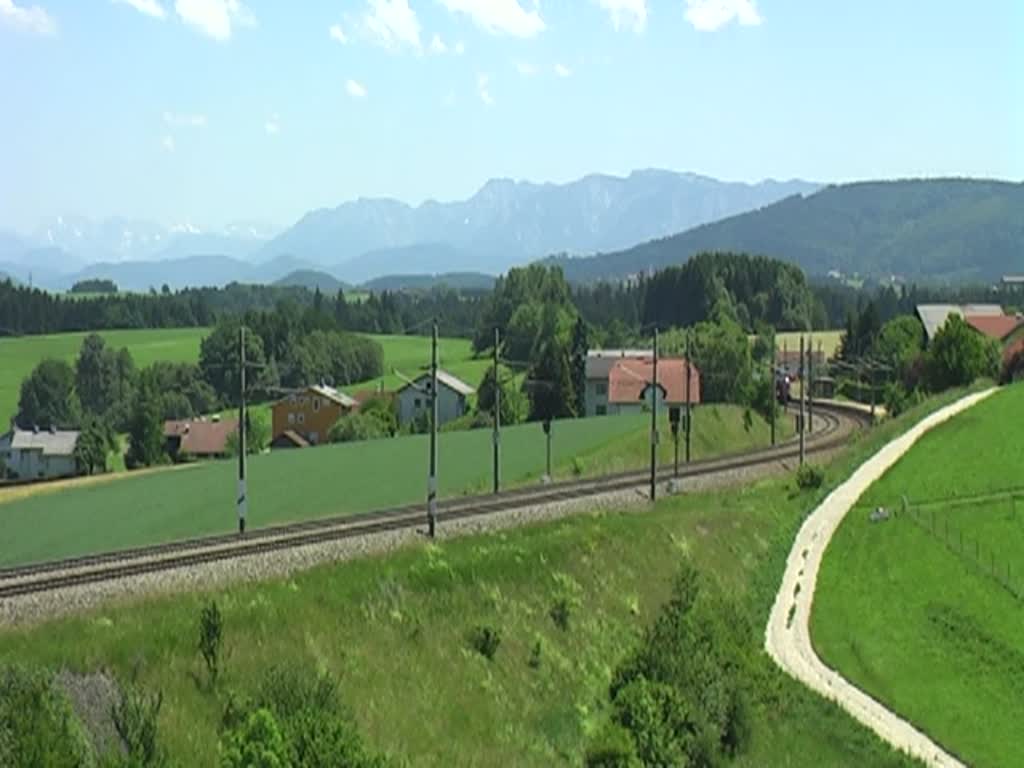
[39, 454]
[619, 381]
[414, 398]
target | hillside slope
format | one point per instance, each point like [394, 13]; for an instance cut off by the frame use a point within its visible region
[940, 229]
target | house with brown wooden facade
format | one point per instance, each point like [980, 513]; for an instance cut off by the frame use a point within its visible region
[308, 414]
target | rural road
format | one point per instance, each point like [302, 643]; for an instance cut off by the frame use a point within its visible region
[787, 636]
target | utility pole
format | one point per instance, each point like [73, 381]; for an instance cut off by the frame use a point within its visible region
[810, 382]
[689, 411]
[654, 422]
[497, 416]
[432, 480]
[547, 437]
[242, 502]
[803, 390]
[774, 387]
[871, 376]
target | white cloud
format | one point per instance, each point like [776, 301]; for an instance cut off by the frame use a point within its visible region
[355, 89]
[500, 16]
[31, 19]
[273, 125]
[626, 13]
[337, 33]
[167, 142]
[460, 48]
[148, 7]
[214, 18]
[392, 24]
[182, 119]
[709, 15]
[437, 46]
[483, 84]
[562, 71]
[526, 69]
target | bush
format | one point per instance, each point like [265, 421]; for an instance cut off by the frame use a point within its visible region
[37, 725]
[485, 641]
[211, 630]
[560, 613]
[613, 748]
[257, 743]
[356, 427]
[306, 709]
[579, 466]
[135, 719]
[809, 476]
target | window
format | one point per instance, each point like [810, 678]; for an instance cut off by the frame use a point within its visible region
[602, 410]
[602, 388]
[292, 399]
[316, 404]
[417, 403]
[291, 418]
[301, 418]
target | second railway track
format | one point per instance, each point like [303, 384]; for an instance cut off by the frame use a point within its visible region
[33, 578]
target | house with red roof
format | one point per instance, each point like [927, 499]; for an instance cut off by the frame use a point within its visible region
[198, 438]
[621, 381]
[1008, 330]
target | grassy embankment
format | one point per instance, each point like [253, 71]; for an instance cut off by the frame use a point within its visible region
[394, 631]
[913, 621]
[336, 479]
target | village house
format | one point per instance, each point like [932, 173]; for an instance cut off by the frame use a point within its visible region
[308, 414]
[198, 438]
[414, 398]
[619, 381]
[39, 454]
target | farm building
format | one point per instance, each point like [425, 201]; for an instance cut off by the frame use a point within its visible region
[309, 413]
[39, 454]
[414, 398]
[934, 316]
[620, 381]
[198, 438]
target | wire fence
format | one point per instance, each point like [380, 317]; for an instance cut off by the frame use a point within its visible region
[933, 517]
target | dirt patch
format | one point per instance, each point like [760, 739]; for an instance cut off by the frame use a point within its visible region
[19, 492]
[92, 696]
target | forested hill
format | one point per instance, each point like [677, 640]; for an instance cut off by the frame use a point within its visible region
[924, 230]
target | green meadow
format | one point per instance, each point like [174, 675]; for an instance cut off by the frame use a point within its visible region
[335, 480]
[911, 616]
[394, 632]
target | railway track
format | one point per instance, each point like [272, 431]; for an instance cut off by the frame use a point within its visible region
[837, 425]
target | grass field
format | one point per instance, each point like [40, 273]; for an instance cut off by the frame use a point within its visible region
[829, 341]
[408, 354]
[393, 630]
[337, 479]
[916, 622]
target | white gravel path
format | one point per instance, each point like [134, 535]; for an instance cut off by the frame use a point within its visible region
[787, 636]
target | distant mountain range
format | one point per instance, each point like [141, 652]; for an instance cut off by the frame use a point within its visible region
[954, 230]
[939, 229]
[509, 222]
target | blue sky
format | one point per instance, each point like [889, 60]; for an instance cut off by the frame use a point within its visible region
[212, 111]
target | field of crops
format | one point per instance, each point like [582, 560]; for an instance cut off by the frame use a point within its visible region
[290, 485]
[827, 341]
[916, 610]
[408, 355]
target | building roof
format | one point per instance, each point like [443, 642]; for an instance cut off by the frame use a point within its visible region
[334, 395]
[934, 316]
[995, 327]
[600, 361]
[293, 437]
[60, 442]
[629, 380]
[200, 437]
[443, 377]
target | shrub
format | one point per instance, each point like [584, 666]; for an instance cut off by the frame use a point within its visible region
[257, 743]
[356, 427]
[37, 725]
[578, 466]
[809, 477]
[485, 640]
[560, 613]
[613, 748]
[135, 719]
[211, 629]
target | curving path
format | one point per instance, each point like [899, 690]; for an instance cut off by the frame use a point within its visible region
[787, 636]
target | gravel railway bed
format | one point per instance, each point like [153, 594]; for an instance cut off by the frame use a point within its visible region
[835, 426]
